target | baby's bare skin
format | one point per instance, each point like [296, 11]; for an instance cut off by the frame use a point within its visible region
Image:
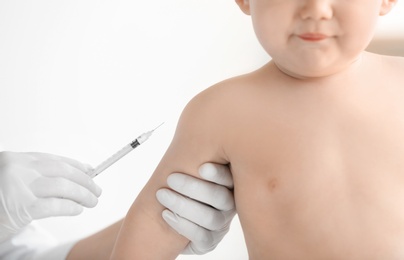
[314, 139]
[321, 175]
[318, 165]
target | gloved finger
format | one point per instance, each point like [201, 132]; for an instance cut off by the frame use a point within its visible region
[199, 213]
[74, 163]
[51, 168]
[198, 247]
[8, 157]
[217, 173]
[52, 207]
[38, 161]
[191, 249]
[198, 235]
[56, 187]
[209, 193]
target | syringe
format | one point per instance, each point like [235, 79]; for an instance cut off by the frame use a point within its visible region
[121, 153]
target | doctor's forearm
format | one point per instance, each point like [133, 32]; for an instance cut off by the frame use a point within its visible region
[97, 246]
[144, 234]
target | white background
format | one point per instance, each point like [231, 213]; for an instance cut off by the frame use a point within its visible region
[84, 78]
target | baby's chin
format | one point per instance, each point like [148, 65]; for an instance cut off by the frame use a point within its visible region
[302, 73]
[318, 68]
[310, 72]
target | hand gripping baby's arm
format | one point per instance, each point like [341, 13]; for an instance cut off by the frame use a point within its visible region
[200, 210]
[145, 234]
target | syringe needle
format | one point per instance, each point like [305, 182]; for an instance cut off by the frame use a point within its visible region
[158, 126]
[121, 153]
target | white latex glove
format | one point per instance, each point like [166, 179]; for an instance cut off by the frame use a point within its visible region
[205, 209]
[37, 185]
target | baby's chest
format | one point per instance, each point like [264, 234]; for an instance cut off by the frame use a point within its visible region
[323, 156]
[340, 181]
[317, 196]
[320, 141]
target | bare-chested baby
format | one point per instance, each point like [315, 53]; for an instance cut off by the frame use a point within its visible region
[314, 139]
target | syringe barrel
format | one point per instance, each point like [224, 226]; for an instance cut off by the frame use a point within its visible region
[111, 160]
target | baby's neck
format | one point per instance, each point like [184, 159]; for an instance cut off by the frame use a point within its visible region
[350, 71]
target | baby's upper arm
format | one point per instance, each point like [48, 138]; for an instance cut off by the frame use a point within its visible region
[197, 140]
[199, 134]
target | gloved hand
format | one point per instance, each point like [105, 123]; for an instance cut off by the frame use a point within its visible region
[205, 209]
[37, 185]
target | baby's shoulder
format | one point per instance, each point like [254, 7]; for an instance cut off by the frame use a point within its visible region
[240, 89]
[207, 115]
[225, 92]
[394, 60]
[395, 70]
[223, 99]
[245, 94]
[394, 64]
[383, 67]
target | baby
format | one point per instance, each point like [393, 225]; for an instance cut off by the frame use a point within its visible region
[314, 139]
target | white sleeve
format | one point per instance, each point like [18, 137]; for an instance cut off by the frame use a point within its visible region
[34, 243]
